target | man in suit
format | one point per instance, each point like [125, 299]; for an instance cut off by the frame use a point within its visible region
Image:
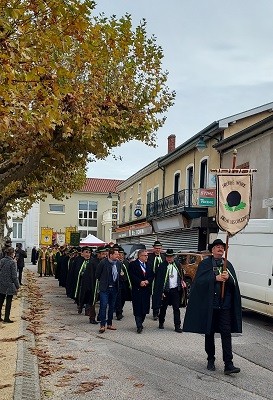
[141, 274]
[108, 273]
[154, 259]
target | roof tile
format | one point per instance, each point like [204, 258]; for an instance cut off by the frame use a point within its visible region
[101, 185]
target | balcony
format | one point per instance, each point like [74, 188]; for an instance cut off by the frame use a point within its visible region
[185, 202]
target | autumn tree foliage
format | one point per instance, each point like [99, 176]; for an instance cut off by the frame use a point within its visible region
[73, 86]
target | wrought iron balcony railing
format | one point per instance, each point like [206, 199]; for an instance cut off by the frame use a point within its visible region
[184, 199]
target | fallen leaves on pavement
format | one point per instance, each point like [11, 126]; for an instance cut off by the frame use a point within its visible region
[88, 386]
[22, 337]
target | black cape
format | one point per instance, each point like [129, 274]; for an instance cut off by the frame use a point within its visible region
[198, 317]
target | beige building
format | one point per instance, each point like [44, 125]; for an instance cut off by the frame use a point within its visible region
[92, 210]
[173, 198]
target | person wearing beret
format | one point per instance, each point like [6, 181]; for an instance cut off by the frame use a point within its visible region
[168, 290]
[208, 311]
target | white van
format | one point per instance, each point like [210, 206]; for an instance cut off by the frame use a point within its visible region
[251, 253]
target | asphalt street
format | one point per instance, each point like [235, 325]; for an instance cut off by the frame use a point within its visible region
[157, 364]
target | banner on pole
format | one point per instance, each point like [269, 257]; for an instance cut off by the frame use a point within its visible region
[68, 231]
[234, 193]
[60, 238]
[75, 238]
[46, 236]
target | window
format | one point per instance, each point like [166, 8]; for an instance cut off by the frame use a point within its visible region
[155, 193]
[149, 196]
[190, 185]
[56, 208]
[131, 192]
[17, 228]
[123, 214]
[203, 173]
[87, 217]
[139, 188]
[131, 212]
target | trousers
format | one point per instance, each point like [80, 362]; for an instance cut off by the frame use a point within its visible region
[221, 322]
[171, 297]
[8, 298]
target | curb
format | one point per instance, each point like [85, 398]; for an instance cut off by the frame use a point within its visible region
[27, 383]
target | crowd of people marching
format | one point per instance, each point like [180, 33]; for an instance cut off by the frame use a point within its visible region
[106, 276]
[152, 280]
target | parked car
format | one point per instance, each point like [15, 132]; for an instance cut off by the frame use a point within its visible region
[131, 248]
[190, 261]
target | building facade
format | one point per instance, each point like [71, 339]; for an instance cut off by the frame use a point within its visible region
[176, 193]
[92, 210]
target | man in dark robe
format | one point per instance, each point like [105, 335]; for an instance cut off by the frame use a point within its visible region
[141, 275]
[168, 290]
[125, 286]
[209, 312]
[155, 259]
[87, 296]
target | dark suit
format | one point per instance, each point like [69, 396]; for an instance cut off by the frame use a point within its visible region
[141, 296]
[154, 261]
[108, 288]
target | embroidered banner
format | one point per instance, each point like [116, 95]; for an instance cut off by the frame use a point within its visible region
[60, 238]
[68, 231]
[46, 236]
[233, 202]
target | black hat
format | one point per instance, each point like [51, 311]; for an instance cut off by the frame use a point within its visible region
[121, 250]
[157, 243]
[86, 248]
[100, 249]
[216, 243]
[169, 252]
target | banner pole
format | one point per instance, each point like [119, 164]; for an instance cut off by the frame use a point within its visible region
[227, 237]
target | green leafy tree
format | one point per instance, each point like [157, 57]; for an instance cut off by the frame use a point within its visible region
[73, 86]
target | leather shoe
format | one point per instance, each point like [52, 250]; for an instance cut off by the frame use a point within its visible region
[178, 329]
[231, 369]
[161, 326]
[211, 365]
[111, 327]
[93, 321]
[8, 321]
[102, 329]
[119, 317]
[139, 330]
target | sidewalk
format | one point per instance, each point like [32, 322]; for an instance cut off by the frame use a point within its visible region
[19, 377]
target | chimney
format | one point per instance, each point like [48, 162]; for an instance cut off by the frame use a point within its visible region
[171, 143]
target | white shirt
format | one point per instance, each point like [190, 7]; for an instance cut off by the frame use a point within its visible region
[172, 276]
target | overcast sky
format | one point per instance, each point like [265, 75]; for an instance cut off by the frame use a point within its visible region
[219, 55]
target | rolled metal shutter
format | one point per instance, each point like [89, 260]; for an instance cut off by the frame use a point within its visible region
[180, 240]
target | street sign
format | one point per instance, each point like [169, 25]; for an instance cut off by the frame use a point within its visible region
[207, 201]
[207, 197]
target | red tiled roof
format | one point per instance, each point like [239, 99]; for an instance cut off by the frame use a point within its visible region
[100, 185]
